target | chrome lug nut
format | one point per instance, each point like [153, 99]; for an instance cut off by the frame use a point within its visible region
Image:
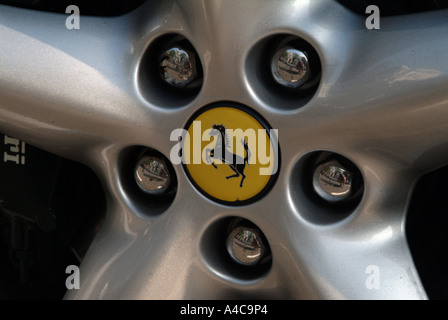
[245, 246]
[152, 175]
[178, 67]
[332, 181]
[290, 67]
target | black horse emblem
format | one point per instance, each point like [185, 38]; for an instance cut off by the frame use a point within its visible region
[220, 152]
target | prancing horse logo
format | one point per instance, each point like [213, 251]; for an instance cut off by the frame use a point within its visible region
[220, 152]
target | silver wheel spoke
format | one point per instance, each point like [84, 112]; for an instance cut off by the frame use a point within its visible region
[67, 89]
[389, 97]
[370, 245]
[160, 258]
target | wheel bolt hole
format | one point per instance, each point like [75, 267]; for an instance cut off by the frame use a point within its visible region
[246, 244]
[336, 180]
[148, 179]
[326, 187]
[170, 74]
[236, 249]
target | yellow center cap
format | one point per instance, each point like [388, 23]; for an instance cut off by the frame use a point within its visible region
[230, 154]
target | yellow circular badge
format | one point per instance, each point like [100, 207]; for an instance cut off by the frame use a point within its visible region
[230, 154]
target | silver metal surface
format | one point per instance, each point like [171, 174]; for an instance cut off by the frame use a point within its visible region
[332, 181]
[245, 246]
[290, 67]
[177, 67]
[152, 175]
[381, 102]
